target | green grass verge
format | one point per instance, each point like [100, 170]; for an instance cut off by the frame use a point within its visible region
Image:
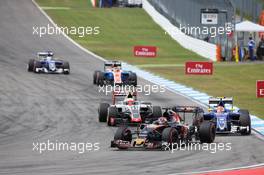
[120, 30]
[123, 28]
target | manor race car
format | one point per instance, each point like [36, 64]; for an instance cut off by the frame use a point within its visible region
[45, 63]
[114, 75]
[129, 111]
[226, 118]
[168, 130]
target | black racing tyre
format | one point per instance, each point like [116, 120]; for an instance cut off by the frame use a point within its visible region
[170, 136]
[135, 79]
[123, 133]
[95, 76]
[245, 121]
[156, 112]
[112, 113]
[207, 132]
[37, 64]
[102, 111]
[100, 80]
[66, 65]
[31, 65]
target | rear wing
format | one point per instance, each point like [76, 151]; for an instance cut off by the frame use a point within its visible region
[110, 64]
[227, 101]
[187, 109]
[183, 110]
[45, 54]
[122, 93]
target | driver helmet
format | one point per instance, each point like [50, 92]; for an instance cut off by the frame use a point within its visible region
[162, 121]
[48, 58]
[167, 114]
[129, 101]
[220, 109]
[50, 53]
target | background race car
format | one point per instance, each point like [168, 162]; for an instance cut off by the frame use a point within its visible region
[226, 118]
[166, 132]
[114, 75]
[45, 63]
[129, 111]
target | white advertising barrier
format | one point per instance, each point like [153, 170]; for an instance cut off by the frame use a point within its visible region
[200, 47]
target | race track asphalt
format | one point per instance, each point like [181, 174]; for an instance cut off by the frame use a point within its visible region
[63, 108]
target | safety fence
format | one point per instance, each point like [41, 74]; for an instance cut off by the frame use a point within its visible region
[187, 13]
[249, 9]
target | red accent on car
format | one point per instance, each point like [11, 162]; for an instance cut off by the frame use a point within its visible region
[136, 120]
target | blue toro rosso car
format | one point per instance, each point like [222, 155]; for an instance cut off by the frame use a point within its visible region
[114, 75]
[226, 118]
[45, 63]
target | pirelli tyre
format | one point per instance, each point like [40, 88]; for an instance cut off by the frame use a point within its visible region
[66, 67]
[37, 64]
[156, 111]
[111, 116]
[95, 76]
[245, 121]
[124, 134]
[133, 79]
[102, 111]
[207, 132]
[31, 65]
[100, 81]
[170, 137]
